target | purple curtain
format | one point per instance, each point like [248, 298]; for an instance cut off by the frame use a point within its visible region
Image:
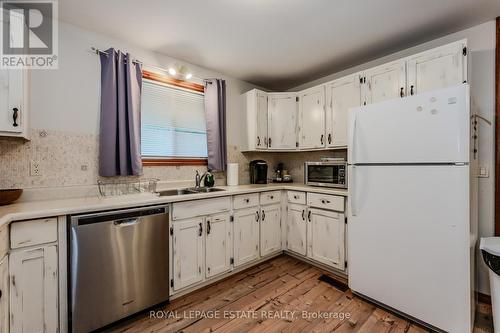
[215, 111]
[120, 127]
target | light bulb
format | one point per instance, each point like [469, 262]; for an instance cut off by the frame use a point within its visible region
[188, 76]
[172, 71]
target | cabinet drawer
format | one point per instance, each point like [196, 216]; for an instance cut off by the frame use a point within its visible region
[34, 232]
[187, 209]
[267, 198]
[326, 201]
[245, 200]
[4, 241]
[296, 197]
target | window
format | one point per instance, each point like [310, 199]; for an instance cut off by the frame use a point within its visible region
[173, 127]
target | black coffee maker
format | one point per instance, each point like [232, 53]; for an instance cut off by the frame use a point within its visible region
[258, 172]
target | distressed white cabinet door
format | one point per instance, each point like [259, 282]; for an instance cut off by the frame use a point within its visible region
[261, 120]
[437, 68]
[218, 250]
[246, 235]
[4, 295]
[270, 229]
[312, 118]
[189, 252]
[385, 82]
[342, 94]
[296, 229]
[325, 233]
[34, 290]
[11, 99]
[282, 121]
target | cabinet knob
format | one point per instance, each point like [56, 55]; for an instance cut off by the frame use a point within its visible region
[247, 200]
[15, 115]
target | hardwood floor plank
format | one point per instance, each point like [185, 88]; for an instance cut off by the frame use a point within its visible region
[279, 286]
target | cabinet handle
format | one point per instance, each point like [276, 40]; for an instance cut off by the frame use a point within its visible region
[15, 115]
[200, 232]
[295, 197]
[208, 228]
[269, 142]
[323, 201]
[402, 92]
[411, 90]
[309, 216]
[263, 215]
[271, 197]
[247, 200]
[329, 138]
[265, 140]
[303, 214]
[257, 216]
[321, 139]
[258, 141]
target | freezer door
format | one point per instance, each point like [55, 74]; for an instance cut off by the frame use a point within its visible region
[408, 241]
[431, 127]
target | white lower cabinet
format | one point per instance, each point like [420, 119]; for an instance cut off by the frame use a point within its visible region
[34, 290]
[296, 229]
[246, 235]
[4, 295]
[217, 245]
[325, 233]
[188, 252]
[270, 229]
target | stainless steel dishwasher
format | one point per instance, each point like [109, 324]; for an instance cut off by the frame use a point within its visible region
[118, 265]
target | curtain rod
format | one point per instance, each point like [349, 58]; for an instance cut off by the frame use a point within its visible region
[136, 61]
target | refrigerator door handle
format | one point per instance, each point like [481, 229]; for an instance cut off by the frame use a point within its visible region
[352, 187]
[352, 141]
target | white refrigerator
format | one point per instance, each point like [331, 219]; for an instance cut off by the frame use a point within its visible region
[411, 207]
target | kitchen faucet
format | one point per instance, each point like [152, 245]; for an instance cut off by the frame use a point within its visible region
[198, 179]
[209, 179]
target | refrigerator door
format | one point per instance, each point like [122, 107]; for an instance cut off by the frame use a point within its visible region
[431, 127]
[409, 241]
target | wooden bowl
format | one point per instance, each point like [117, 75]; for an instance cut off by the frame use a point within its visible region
[9, 196]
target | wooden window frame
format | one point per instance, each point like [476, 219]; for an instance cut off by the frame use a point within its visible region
[165, 161]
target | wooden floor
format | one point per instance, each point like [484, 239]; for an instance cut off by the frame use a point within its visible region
[271, 289]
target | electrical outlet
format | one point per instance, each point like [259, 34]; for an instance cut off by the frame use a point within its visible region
[35, 169]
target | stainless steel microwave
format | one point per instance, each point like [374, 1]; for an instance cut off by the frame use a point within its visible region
[326, 173]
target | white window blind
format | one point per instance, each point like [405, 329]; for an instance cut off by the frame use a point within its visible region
[172, 122]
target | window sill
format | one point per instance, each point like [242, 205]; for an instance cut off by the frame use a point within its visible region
[173, 161]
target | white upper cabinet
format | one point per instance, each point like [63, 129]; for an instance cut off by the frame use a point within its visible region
[385, 82]
[342, 94]
[270, 229]
[296, 229]
[312, 118]
[218, 245]
[438, 68]
[246, 235]
[188, 252]
[256, 115]
[13, 111]
[282, 121]
[325, 234]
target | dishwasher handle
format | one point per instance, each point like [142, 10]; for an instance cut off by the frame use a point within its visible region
[126, 222]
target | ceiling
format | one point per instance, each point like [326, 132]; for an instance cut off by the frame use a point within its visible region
[277, 44]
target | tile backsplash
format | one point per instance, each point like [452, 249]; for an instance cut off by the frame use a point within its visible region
[71, 159]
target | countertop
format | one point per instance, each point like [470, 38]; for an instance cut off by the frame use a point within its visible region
[46, 208]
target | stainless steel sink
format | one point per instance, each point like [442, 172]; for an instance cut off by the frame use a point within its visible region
[181, 191]
[206, 189]
[192, 190]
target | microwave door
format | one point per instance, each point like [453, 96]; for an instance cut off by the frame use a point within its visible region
[322, 175]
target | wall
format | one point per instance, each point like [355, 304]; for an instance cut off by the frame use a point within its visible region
[64, 109]
[481, 45]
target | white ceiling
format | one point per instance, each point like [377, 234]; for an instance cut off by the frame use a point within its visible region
[277, 44]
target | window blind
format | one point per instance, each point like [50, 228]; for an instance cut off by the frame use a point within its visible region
[173, 122]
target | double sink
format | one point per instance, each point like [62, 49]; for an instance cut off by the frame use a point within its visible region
[191, 190]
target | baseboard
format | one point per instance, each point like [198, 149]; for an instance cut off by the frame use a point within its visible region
[483, 298]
